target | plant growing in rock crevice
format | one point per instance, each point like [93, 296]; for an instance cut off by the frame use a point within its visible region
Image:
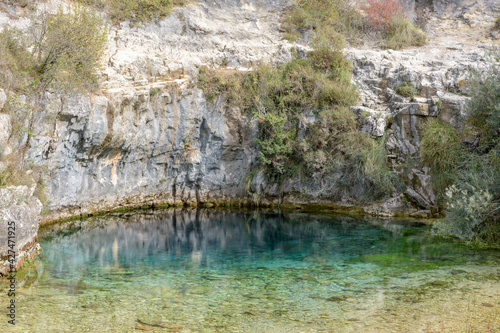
[441, 150]
[334, 153]
[406, 90]
[277, 96]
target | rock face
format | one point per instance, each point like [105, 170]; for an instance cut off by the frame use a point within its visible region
[167, 147]
[150, 137]
[19, 216]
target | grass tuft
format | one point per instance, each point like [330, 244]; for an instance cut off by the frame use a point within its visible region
[402, 33]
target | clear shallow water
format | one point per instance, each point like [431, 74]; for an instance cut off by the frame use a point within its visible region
[250, 271]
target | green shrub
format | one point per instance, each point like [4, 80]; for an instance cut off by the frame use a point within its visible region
[320, 15]
[441, 151]
[345, 160]
[473, 201]
[138, 11]
[276, 142]
[472, 207]
[68, 47]
[406, 90]
[402, 33]
[276, 96]
[484, 104]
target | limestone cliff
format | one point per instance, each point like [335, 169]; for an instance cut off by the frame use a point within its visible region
[150, 137]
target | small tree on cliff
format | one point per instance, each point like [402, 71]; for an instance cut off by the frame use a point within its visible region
[66, 49]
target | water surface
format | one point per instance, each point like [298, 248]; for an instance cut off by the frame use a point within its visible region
[254, 271]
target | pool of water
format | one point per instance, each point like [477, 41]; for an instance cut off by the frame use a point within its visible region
[254, 271]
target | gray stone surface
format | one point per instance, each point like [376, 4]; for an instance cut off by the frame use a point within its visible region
[3, 98]
[465, 8]
[20, 210]
[4, 129]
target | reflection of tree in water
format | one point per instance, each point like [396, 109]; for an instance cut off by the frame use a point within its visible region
[202, 237]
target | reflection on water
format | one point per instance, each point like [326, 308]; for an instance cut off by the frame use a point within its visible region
[251, 271]
[222, 240]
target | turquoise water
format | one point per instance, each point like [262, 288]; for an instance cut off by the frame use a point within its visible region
[255, 271]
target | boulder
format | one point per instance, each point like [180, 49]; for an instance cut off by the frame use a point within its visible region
[19, 219]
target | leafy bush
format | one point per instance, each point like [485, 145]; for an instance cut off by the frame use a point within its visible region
[345, 161]
[472, 205]
[276, 142]
[473, 201]
[139, 11]
[484, 104]
[441, 151]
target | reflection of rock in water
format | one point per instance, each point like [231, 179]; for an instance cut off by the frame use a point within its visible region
[198, 237]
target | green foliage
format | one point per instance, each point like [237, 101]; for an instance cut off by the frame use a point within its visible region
[62, 52]
[67, 47]
[441, 151]
[402, 33]
[472, 204]
[139, 11]
[323, 15]
[333, 152]
[406, 90]
[276, 142]
[318, 81]
[345, 160]
[473, 201]
[484, 104]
